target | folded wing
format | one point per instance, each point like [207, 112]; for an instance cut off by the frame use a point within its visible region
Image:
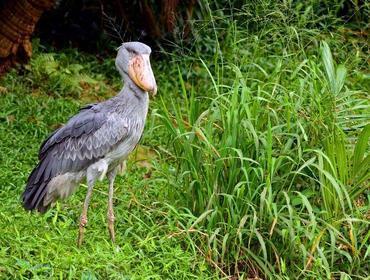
[86, 138]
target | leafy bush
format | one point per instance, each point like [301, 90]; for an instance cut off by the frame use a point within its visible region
[70, 74]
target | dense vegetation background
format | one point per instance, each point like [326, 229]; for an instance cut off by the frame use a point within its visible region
[254, 163]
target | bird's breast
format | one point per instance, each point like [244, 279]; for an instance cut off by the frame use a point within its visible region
[127, 144]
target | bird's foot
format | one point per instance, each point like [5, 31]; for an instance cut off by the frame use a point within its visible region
[83, 223]
[111, 219]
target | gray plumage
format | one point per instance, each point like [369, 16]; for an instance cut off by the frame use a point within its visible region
[93, 142]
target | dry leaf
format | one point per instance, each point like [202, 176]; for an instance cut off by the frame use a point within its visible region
[3, 89]
[143, 156]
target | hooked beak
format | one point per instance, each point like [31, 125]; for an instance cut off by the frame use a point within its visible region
[141, 73]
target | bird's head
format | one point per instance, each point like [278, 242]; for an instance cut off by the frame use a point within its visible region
[133, 61]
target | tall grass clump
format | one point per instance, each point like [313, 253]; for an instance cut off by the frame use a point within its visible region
[270, 149]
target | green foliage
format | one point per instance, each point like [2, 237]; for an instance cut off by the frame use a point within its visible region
[261, 131]
[272, 156]
[68, 74]
[343, 171]
[61, 79]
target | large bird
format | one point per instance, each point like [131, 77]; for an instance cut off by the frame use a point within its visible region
[96, 141]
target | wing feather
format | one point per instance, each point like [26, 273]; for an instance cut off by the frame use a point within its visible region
[86, 138]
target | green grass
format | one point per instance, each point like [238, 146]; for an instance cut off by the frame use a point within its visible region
[257, 158]
[271, 173]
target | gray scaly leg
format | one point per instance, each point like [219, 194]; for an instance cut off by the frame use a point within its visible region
[110, 215]
[83, 218]
[94, 172]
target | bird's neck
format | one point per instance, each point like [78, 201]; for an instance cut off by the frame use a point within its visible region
[131, 88]
[131, 99]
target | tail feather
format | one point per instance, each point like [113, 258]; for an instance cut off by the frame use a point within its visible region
[36, 189]
[47, 183]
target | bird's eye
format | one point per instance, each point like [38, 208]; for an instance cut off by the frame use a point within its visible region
[131, 51]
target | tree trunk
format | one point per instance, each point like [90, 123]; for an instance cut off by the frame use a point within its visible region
[17, 22]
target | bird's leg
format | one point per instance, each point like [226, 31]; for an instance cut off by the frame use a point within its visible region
[110, 214]
[83, 218]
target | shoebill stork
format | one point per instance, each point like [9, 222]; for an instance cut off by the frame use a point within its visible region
[95, 141]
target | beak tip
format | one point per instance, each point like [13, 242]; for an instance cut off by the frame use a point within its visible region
[154, 91]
